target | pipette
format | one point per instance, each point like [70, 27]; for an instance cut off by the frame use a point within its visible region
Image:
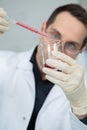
[27, 27]
[31, 29]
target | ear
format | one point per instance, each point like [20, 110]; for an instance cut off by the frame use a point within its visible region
[83, 49]
[43, 27]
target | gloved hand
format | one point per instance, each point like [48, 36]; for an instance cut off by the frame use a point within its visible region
[69, 75]
[3, 21]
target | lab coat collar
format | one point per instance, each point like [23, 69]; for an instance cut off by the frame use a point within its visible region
[24, 62]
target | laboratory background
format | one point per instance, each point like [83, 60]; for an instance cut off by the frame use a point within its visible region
[32, 13]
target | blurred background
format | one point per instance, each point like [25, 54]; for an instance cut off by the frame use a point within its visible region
[33, 13]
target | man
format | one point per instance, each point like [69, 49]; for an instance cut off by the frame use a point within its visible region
[30, 102]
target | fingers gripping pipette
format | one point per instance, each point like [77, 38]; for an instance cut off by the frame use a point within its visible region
[27, 27]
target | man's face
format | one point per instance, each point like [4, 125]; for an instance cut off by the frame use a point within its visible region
[69, 29]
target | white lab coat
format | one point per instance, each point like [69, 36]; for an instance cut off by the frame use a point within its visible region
[17, 95]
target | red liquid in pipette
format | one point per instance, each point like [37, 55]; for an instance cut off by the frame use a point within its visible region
[30, 28]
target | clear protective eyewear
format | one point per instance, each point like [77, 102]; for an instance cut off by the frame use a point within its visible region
[70, 47]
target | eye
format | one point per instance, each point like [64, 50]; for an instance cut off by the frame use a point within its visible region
[55, 36]
[70, 46]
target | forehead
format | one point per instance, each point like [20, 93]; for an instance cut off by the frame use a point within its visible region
[69, 27]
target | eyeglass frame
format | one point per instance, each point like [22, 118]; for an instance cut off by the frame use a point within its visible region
[79, 50]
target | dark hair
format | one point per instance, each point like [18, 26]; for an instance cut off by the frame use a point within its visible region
[75, 10]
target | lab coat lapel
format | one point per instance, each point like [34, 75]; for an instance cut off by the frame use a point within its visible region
[25, 82]
[26, 66]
